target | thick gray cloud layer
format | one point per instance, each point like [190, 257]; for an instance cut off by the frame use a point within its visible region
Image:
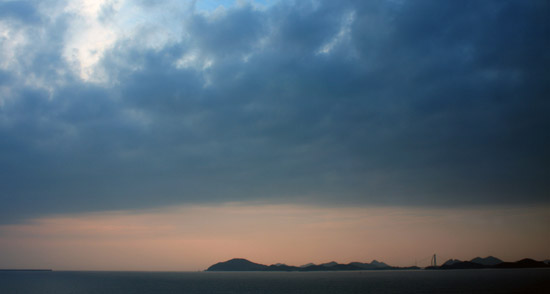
[335, 102]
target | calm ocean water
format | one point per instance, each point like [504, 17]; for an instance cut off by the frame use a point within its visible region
[451, 281]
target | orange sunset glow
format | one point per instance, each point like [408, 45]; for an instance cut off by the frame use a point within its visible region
[193, 237]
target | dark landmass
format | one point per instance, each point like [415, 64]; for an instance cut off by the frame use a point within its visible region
[241, 264]
[451, 262]
[490, 262]
[461, 265]
[524, 263]
[24, 270]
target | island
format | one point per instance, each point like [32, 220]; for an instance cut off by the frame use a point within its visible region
[490, 262]
[25, 270]
[241, 264]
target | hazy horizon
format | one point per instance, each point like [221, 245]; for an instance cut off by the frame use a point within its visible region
[192, 238]
[171, 135]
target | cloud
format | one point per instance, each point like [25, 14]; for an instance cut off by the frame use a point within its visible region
[22, 11]
[349, 103]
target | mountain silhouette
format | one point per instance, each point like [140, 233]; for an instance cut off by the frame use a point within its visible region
[460, 265]
[237, 264]
[241, 264]
[477, 262]
[371, 266]
[451, 262]
[329, 264]
[524, 263]
[489, 260]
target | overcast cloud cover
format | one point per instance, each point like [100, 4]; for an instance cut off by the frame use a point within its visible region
[131, 104]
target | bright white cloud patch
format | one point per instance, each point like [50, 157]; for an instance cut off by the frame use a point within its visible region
[89, 36]
[96, 26]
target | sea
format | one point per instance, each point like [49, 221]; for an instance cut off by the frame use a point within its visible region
[406, 281]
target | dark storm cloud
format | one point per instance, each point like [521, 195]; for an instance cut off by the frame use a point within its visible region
[387, 102]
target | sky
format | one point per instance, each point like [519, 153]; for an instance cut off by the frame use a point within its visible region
[170, 135]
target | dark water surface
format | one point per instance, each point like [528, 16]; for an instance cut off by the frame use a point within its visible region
[450, 281]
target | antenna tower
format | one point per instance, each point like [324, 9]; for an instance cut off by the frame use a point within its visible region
[433, 261]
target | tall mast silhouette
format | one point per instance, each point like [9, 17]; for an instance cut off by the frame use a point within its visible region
[433, 262]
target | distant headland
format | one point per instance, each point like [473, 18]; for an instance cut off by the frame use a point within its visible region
[25, 270]
[241, 264]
